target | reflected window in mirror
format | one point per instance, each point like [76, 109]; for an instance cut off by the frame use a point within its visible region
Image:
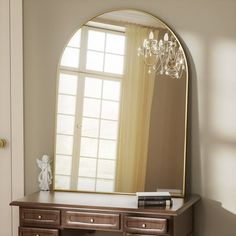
[88, 112]
[119, 128]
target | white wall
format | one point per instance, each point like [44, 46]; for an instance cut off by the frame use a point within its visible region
[208, 30]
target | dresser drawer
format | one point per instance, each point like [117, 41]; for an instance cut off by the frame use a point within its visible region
[37, 232]
[87, 220]
[145, 225]
[39, 217]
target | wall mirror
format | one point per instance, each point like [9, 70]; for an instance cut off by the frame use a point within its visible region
[121, 117]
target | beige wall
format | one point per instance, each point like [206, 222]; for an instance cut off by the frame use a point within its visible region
[208, 30]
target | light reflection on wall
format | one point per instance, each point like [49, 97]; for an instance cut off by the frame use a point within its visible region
[213, 115]
[222, 173]
[223, 89]
[221, 158]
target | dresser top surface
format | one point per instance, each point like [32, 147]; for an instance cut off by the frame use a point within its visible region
[98, 202]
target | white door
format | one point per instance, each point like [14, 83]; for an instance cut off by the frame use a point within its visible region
[5, 118]
[11, 110]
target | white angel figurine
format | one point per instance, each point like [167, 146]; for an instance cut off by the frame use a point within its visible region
[45, 176]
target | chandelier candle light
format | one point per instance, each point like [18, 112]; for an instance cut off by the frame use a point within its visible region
[164, 56]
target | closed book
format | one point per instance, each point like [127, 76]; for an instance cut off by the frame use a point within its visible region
[153, 198]
[155, 203]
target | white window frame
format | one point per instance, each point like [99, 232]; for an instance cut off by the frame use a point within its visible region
[81, 72]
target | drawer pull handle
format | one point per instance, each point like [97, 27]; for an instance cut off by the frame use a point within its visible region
[39, 217]
[144, 225]
[92, 220]
[37, 235]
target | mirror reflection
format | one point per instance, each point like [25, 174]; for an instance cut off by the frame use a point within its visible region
[121, 118]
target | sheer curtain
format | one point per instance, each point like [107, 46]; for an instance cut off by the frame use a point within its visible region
[136, 105]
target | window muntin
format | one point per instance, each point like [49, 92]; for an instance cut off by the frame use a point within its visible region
[88, 112]
[70, 56]
[105, 52]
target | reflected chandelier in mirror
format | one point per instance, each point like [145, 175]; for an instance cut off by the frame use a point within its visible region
[120, 128]
[163, 56]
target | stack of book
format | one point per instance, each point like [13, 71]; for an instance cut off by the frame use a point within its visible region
[154, 199]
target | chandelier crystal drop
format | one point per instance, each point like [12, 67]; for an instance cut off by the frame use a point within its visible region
[165, 56]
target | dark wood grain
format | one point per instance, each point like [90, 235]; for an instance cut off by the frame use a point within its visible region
[39, 217]
[145, 225]
[183, 224]
[90, 220]
[109, 202]
[23, 231]
[43, 211]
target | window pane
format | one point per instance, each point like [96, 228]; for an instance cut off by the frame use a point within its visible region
[86, 184]
[90, 127]
[115, 43]
[62, 182]
[68, 84]
[64, 145]
[110, 110]
[66, 104]
[88, 147]
[63, 165]
[75, 40]
[114, 64]
[106, 169]
[108, 129]
[96, 40]
[65, 124]
[91, 107]
[70, 57]
[105, 185]
[94, 61]
[107, 149]
[93, 87]
[87, 167]
[111, 90]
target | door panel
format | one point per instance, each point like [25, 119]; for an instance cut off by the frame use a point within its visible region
[11, 114]
[5, 124]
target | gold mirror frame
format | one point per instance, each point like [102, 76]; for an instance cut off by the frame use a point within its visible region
[183, 190]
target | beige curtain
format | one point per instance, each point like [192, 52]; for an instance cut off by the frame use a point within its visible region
[136, 105]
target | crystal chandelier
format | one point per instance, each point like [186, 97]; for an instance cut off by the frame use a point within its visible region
[165, 56]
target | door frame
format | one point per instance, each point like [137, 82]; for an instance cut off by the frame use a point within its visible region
[17, 120]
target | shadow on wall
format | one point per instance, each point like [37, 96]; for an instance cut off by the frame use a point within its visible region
[210, 215]
[193, 145]
[211, 137]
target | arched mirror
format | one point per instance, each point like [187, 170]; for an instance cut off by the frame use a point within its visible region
[121, 111]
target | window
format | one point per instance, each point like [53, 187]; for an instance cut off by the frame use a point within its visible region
[88, 112]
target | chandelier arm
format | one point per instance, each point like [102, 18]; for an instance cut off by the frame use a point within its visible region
[167, 54]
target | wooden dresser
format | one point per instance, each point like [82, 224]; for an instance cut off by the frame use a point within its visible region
[49, 213]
